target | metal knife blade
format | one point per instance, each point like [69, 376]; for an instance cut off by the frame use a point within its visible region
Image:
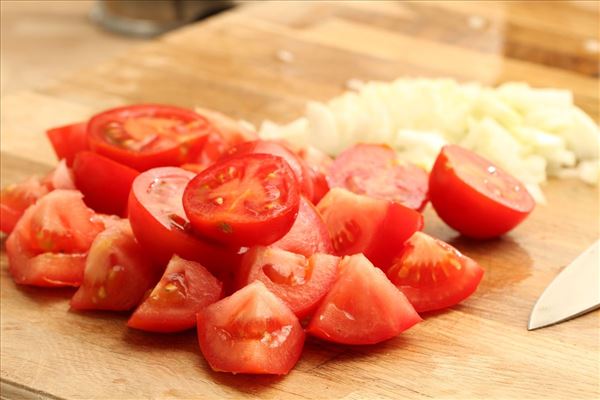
[574, 292]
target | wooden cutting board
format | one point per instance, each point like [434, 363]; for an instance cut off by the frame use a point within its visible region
[232, 62]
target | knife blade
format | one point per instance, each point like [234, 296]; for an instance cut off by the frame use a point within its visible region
[574, 292]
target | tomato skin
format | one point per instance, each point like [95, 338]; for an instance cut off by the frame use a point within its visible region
[105, 183]
[463, 194]
[245, 200]
[250, 332]
[301, 282]
[68, 140]
[434, 275]
[185, 289]
[362, 307]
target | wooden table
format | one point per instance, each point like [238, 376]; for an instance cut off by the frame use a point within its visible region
[480, 349]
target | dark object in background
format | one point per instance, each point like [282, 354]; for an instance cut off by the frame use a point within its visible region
[152, 17]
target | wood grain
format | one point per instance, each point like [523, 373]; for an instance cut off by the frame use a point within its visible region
[479, 349]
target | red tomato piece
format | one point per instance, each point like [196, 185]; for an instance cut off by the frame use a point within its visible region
[68, 140]
[148, 136]
[61, 177]
[185, 288]
[250, 332]
[374, 170]
[301, 282]
[231, 131]
[318, 164]
[161, 226]
[117, 272]
[360, 224]
[246, 200]
[49, 243]
[434, 275]
[16, 198]
[309, 234]
[474, 196]
[362, 307]
[105, 183]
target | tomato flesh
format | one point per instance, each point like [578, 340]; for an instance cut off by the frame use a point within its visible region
[68, 140]
[362, 307]
[185, 288]
[16, 198]
[250, 332]
[246, 200]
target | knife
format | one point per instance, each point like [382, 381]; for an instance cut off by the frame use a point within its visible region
[574, 292]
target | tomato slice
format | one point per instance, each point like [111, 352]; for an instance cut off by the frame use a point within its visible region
[185, 288]
[301, 282]
[246, 200]
[105, 183]
[474, 196]
[362, 307]
[147, 136]
[251, 332]
[49, 243]
[117, 272]
[434, 275]
[374, 170]
[68, 140]
[360, 224]
[16, 198]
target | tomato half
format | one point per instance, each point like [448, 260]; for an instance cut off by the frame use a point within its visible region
[434, 275]
[105, 183]
[250, 332]
[245, 200]
[362, 307]
[147, 136]
[374, 170]
[16, 198]
[117, 272]
[185, 288]
[360, 224]
[161, 226]
[301, 282]
[474, 196]
[68, 140]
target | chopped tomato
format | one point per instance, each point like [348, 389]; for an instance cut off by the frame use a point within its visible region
[49, 243]
[193, 167]
[148, 136]
[105, 183]
[301, 282]
[244, 200]
[434, 275]
[117, 272]
[309, 234]
[68, 140]
[476, 197]
[230, 130]
[374, 170]
[362, 307]
[318, 164]
[60, 177]
[16, 198]
[360, 224]
[251, 332]
[185, 288]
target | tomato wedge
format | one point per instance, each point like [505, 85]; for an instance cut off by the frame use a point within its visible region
[474, 196]
[185, 288]
[374, 170]
[434, 275]
[147, 136]
[68, 140]
[362, 307]
[250, 332]
[360, 224]
[246, 200]
[301, 282]
[117, 272]
[105, 183]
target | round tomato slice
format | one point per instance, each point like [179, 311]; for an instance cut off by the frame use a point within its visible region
[148, 136]
[161, 226]
[301, 282]
[250, 332]
[474, 196]
[434, 275]
[246, 200]
[362, 307]
[185, 288]
[68, 140]
[374, 170]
